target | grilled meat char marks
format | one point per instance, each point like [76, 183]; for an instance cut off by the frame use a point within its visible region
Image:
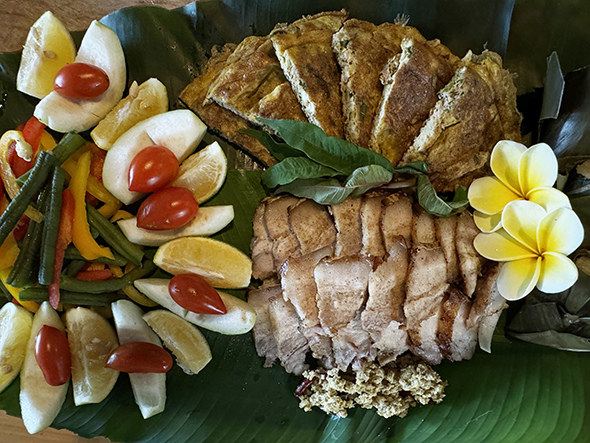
[369, 279]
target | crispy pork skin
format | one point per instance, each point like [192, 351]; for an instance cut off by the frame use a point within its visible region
[347, 220]
[312, 225]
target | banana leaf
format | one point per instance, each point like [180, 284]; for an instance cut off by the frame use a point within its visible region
[520, 392]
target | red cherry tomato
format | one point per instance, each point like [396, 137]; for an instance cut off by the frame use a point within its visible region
[192, 292]
[52, 352]
[168, 208]
[152, 169]
[137, 356]
[81, 81]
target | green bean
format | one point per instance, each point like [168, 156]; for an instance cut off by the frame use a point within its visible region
[40, 172]
[25, 269]
[51, 227]
[69, 144]
[74, 267]
[4, 290]
[98, 287]
[73, 254]
[113, 236]
[75, 298]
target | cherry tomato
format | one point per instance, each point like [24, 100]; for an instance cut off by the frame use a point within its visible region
[168, 208]
[192, 292]
[81, 81]
[138, 356]
[52, 352]
[152, 169]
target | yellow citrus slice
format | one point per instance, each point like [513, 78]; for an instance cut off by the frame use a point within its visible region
[92, 339]
[203, 172]
[186, 342]
[15, 330]
[48, 48]
[222, 265]
[144, 101]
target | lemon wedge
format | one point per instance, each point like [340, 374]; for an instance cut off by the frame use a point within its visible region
[222, 265]
[48, 48]
[15, 330]
[92, 339]
[203, 172]
[186, 342]
[144, 101]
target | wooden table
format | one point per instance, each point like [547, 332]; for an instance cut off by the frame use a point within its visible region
[16, 17]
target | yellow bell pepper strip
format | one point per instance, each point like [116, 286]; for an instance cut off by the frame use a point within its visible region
[109, 209]
[29, 305]
[94, 187]
[8, 177]
[47, 142]
[82, 238]
[121, 215]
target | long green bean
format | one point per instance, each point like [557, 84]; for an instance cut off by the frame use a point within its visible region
[40, 172]
[76, 298]
[73, 254]
[98, 287]
[51, 226]
[113, 236]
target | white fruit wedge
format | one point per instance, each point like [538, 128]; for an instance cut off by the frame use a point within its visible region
[15, 330]
[40, 402]
[100, 47]
[149, 389]
[239, 319]
[179, 130]
[208, 221]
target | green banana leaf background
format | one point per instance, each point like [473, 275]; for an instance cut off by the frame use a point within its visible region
[521, 392]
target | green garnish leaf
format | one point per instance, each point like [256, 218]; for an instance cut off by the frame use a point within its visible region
[435, 205]
[293, 168]
[279, 150]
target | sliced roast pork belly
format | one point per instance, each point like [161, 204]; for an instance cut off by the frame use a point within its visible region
[341, 293]
[264, 340]
[299, 288]
[423, 228]
[276, 219]
[425, 290]
[455, 338]
[470, 262]
[488, 305]
[411, 83]
[383, 316]
[261, 246]
[372, 238]
[347, 220]
[397, 219]
[445, 233]
[312, 225]
[292, 346]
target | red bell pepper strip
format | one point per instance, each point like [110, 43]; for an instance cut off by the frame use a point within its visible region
[64, 238]
[32, 132]
[94, 275]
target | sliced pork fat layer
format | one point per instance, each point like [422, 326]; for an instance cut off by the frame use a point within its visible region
[370, 278]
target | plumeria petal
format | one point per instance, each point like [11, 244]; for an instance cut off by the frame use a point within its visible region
[500, 246]
[518, 278]
[521, 219]
[549, 198]
[557, 273]
[487, 223]
[560, 231]
[489, 195]
[537, 168]
[504, 162]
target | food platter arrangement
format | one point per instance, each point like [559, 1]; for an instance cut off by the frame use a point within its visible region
[298, 222]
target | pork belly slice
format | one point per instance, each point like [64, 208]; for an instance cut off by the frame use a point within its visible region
[470, 262]
[487, 306]
[425, 289]
[362, 49]
[261, 246]
[411, 83]
[445, 234]
[352, 345]
[264, 339]
[423, 228]
[456, 340]
[276, 219]
[312, 225]
[372, 237]
[292, 346]
[347, 220]
[383, 317]
[223, 121]
[304, 50]
[460, 132]
[397, 219]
